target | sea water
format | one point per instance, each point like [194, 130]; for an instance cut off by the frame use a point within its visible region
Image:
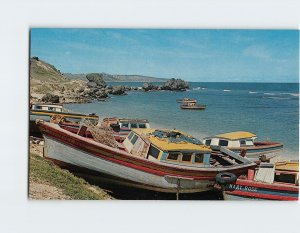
[270, 110]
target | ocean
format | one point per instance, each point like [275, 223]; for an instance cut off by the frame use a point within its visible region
[270, 110]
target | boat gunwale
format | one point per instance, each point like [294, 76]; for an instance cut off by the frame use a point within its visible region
[39, 112]
[255, 147]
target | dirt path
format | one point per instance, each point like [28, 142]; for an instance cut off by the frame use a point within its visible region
[42, 191]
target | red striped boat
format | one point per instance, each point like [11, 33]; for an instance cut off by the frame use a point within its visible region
[159, 160]
[272, 182]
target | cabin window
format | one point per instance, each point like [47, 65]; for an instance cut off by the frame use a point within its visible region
[125, 125]
[133, 126]
[208, 142]
[142, 125]
[249, 142]
[134, 139]
[130, 135]
[286, 178]
[223, 143]
[51, 109]
[173, 156]
[199, 158]
[38, 107]
[154, 152]
[243, 142]
[186, 157]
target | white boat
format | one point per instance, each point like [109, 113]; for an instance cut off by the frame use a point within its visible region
[243, 142]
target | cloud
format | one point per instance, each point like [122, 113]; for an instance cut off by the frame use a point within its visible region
[258, 51]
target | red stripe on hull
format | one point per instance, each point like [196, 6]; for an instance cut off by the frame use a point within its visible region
[268, 186]
[262, 196]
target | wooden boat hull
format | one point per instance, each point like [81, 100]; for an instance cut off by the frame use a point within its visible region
[72, 149]
[259, 148]
[249, 189]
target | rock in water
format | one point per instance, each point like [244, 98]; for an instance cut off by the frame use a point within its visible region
[149, 87]
[96, 78]
[101, 94]
[50, 98]
[118, 90]
[175, 85]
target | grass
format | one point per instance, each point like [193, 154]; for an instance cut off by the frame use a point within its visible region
[76, 188]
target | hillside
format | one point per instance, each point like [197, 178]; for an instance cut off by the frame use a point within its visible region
[45, 78]
[41, 71]
[117, 78]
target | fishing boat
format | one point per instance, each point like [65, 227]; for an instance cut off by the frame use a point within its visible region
[186, 100]
[243, 142]
[192, 106]
[159, 160]
[45, 111]
[278, 181]
[123, 126]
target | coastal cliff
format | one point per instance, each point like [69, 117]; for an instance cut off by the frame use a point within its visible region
[48, 84]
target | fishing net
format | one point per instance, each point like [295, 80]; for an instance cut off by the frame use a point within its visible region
[175, 137]
[102, 134]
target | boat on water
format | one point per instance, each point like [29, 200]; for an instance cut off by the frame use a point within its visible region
[123, 126]
[278, 181]
[45, 111]
[192, 106]
[186, 100]
[159, 160]
[243, 142]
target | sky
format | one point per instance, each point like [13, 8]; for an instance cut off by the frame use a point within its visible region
[193, 55]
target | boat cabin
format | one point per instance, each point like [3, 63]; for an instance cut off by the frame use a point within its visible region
[124, 124]
[48, 107]
[168, 146]
[134, 123]
[233, 139]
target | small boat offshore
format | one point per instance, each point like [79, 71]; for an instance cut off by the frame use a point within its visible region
[160, 160]
[193, 106]
[278, 181]
[45, 111]
[186, 100]
[241, 141]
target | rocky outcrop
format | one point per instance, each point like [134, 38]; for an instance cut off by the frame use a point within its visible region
[97, 79]
[171, 85]
[175, 85]
[117, 90]
[149, 87]
[50, 98]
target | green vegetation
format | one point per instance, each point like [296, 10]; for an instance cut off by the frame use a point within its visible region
[45, 171]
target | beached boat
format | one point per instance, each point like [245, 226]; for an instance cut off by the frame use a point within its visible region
[243, 142]
[186, 100]
[270, 182]
[159, 160]
[44, 111]
[123, 126]
[192, 106]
